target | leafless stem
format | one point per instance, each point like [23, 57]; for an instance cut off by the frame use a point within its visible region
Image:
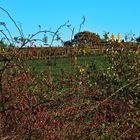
[12, 20]
[32, 36]
[72, 31]
[5, 36]
[82, 23]
[21, 29]
[56, 32]
[9, 33]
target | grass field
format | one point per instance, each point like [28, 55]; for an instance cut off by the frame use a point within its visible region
[64, 63]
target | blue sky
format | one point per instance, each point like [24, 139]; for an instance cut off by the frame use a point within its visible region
[101, 15]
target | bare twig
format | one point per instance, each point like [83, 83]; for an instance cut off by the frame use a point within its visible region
[72, 31]
[56, 32]
[5, 36]
[32, 36]
[9, 33]
[82, 23]
[21, 29]
[12, 20]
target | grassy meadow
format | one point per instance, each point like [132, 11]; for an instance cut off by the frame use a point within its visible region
[60, 64]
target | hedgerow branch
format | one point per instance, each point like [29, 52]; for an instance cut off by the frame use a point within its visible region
[12, 20]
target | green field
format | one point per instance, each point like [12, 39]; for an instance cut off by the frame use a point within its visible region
[64, 63]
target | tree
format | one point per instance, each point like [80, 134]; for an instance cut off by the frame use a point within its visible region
[86, 38]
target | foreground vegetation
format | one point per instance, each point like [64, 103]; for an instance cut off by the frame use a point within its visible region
[92, 102]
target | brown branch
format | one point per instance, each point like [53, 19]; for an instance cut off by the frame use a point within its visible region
[12, 20]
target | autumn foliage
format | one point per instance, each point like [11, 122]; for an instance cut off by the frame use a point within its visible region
[89, 105]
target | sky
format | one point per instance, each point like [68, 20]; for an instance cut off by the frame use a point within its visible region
[114, 16]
